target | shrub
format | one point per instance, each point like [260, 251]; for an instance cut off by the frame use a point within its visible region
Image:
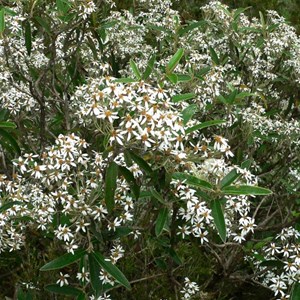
[143, 153]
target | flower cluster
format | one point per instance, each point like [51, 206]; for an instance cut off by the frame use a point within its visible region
[190, 289]
[197, 214]
[284, 251]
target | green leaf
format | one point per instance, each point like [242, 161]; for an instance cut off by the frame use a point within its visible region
[246, 164]
[125, 80]
[272, 263]
[258, 257]
[217, 213]
[150, 67]
[184, 78]
[183, 97]
[262, 19]
[63, 261]
[8, 205]
[141, 163]
[2, 20]
[134, 187]
[10, 140]
[21, 295]
[158, 28]
[135, 69]
[233, 174]
[44, 24]
[192, 180]
[231, 97]
[120, 232]
[68, 17]
[203, 72]
[188, 113]
[174, 61]
[94, 269]
[3, 114]
[111, 185]
[229, 178]
[161, 220]
[296, 291]
[203, 195]
[10, 12]
[238, 11]
[204, 125]
[81, 296]
[28, 41]
[243, 95]
[245, 190]
[190, 27]
[157, 196]
[173, 78]
[175, 256]
[111, 269]
[8, 125]
[214, 56]
[161, 263]
[262, 243]
[63, 6]
[63, 290]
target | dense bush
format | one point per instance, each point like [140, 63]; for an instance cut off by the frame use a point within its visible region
[144, 156]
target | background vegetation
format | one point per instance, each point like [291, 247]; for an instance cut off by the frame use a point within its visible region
[74, 80]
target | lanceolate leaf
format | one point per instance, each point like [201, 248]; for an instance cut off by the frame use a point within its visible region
[149, 67]
[131, 181]
[183, 77]
[203, 72]
[296, 291]
[111, 185]
[161, 220]
[111, 269]
[8, 125]
[157, 196]
[173, 78]
[3, 114]
[94, 274]
[192, 180]
[214, 56]
[234, 174]
[2, 21]
[272, 263]
[125, 80]
[229, 178]
[245, 190]
[175, 256]
[174, 61]
[135, 69]
[238, 11]
[63, 6]
[191, 26]
[43, 23]
[141, 163]
[7, 137]
[188, 113]
[204, 125]
[183, 97]
[63, 261]
[63, 290]
[217, 213]
[8, 205]
[81, 296]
